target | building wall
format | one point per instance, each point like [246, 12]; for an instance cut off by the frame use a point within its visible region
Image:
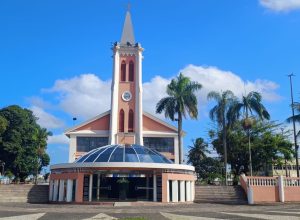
[271, 189]
[91, 130]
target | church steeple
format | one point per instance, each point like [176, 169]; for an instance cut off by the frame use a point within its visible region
[127, 34]
[126, 119]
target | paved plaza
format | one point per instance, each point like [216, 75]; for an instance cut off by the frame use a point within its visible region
[19, 211]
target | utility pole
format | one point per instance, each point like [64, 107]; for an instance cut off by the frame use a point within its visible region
[294, 125]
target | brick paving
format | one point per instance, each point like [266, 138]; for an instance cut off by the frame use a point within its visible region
[157, 212]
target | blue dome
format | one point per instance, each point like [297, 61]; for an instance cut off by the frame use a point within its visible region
[123, 153]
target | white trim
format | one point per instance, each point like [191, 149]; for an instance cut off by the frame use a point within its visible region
[67, 132]
[83, 133]
[123, 165]
[158, 134]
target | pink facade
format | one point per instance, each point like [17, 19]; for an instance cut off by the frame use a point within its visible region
[99, 124]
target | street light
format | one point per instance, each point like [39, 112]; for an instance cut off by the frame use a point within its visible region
[294, 125]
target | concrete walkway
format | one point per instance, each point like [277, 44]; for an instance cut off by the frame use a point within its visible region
[202, 211]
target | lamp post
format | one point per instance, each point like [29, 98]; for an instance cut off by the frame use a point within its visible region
[294, 125]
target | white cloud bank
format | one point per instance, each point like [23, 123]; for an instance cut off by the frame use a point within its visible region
[58, 139]
[281, 5]
[46, 120]
[87, 95]
[83, 96]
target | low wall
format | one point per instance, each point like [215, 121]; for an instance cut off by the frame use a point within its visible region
[24, 193]
[271, 189]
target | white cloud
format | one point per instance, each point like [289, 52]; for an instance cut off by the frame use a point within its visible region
[58, 139]
[153, 91]
[45, 119]
[39, 102]
[281, 5]
[83, 96]
[215, 79]
[87, 95]
[212, 79]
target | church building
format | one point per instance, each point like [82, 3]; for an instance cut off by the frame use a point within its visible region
[124, 153]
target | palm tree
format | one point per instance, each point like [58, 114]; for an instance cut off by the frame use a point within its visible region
[221, 114]
[250, 104]
[297, 116]
[198, 151]
[181, 101]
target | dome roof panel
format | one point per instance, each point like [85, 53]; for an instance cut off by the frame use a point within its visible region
[123, 153]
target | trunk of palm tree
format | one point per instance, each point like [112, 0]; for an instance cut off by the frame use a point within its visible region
[249, 144]
[286, 170]
[250, 156]
[179, 137]
[225, 148]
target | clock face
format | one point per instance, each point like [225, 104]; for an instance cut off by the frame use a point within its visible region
[126, 96]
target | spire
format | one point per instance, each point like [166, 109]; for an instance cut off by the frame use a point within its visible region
[127, 34]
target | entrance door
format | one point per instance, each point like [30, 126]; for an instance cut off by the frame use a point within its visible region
[124, 188]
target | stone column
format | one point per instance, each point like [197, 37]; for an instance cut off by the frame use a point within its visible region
[174, 191]
[154, 188]
[69, 190]
[90, 187]
[61, 190]
[168, 191]
[55, 191]
[51, 190]
[98, 186]
[138, 100]
[192, 190]
[188, 190]
[281, 188]
[114, 95]
[182, 191]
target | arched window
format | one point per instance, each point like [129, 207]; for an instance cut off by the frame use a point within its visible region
[121, 121]
[123, 71]
[130, 121]
[131, 71]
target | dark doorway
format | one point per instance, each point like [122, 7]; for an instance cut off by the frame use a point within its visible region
[112, 188]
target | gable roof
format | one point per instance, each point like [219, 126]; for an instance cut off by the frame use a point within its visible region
[147, 114]
[68, 131]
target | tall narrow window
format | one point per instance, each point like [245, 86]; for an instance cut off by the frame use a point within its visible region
[130, 121]
[121, 121]
[131, 71]
[123, 71]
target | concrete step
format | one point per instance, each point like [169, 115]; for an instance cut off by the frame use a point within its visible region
[220, 194]
[24, 193]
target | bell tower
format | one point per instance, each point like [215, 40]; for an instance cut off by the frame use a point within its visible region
[126, 118]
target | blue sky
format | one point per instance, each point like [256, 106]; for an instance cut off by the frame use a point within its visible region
[55, 56]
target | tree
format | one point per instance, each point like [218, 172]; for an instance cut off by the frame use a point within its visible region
[40, 137]
[268, 148]
[198, 151]
[3, 126]
[207, 168]
[297, 116]
[250, 105]
[221, 114]
[19, 146]
[181, 101]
